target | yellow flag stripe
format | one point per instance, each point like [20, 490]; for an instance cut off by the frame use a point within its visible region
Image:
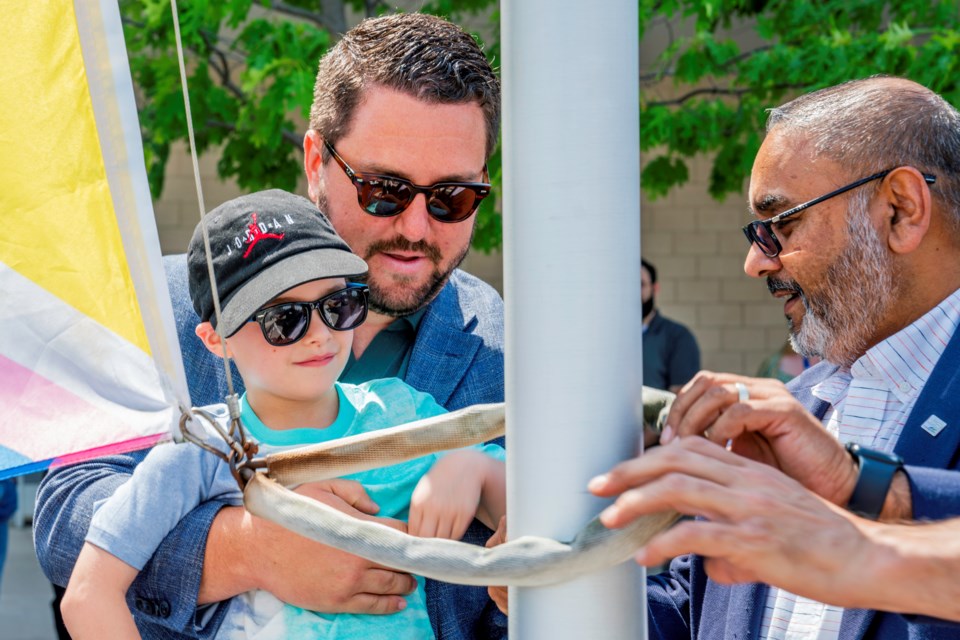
[59, 224]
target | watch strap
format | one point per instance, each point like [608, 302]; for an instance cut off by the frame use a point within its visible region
[873, 482]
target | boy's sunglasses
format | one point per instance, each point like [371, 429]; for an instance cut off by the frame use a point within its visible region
[285, 323]
[386, 196]
[760, 232]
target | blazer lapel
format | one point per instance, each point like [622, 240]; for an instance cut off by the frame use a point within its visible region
[443, 350]
[939, 402]
[747, 604]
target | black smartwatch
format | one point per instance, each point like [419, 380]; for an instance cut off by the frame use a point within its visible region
[876, 473]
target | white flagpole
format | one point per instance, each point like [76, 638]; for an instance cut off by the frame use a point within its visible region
[572, 285]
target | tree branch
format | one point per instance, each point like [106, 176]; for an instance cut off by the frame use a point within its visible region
[294, 139]
[719, 91]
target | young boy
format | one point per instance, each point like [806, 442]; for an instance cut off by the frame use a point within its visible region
[287, 314]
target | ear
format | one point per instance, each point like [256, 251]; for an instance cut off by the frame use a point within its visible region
[211, 339]
[656, 288]
[313, 161]
[908, 196]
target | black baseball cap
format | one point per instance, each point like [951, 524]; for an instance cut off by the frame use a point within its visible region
[263, 244]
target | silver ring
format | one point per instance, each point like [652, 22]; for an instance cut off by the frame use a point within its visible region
[742, 393]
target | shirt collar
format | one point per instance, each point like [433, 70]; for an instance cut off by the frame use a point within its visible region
[902, 362]
[408, 323]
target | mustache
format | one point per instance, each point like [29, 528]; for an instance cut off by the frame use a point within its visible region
[399, 243]
[775, 284]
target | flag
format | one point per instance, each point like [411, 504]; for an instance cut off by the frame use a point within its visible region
[89, 359]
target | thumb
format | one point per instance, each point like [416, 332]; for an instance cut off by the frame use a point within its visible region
[355, 495]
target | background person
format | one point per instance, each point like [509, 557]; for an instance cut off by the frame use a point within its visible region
[670, 352]
[413, 98]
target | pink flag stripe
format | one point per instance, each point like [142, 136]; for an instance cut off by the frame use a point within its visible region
[42, 418]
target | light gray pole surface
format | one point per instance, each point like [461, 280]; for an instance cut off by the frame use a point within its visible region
[572, 287]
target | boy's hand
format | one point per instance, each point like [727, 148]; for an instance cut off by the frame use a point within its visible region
[446, 499]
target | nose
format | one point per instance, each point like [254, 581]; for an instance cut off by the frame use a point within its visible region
[757, 264]
[318, 331]
[414, 222]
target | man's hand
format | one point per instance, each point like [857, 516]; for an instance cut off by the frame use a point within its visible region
[498, 594]
[770, 426]
[761, 525]
[245, 552]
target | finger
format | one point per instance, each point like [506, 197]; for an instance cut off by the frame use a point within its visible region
[428, 525]
[385, 582]
[415, 521]
[700, 537]
[353, 494]
[707, 408]
[373, 604]
[687, 396]
[499, 597]
[679, 492]
[684, 455]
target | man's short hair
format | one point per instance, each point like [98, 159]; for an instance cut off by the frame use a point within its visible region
[879, 123]
[652, 270]
[424, 56]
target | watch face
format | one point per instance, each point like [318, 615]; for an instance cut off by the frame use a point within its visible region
[873, 454]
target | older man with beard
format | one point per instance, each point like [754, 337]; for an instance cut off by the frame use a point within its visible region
[856, 189]
[406, 113]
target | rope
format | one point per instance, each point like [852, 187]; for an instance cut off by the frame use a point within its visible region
[527, 561]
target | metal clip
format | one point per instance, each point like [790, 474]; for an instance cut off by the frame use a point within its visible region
[240, 451]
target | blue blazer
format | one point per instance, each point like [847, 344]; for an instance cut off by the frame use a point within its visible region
[685, 603]
[457, 358]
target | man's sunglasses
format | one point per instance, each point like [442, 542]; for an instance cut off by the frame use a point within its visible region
[761, 232]
[285, 323]
[386, 196]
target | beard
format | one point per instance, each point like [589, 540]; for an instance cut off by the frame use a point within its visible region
[856, 292]
[647, 308]
[398, 296]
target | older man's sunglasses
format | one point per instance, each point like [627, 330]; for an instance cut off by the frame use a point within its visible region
[285, 323]
[386, 196]
[760, 232]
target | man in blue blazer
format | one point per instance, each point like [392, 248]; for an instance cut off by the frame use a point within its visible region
[405, 115]
[856, 191]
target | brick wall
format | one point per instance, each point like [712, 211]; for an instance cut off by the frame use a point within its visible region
[698, 250]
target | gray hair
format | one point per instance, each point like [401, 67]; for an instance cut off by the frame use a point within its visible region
[879, 123]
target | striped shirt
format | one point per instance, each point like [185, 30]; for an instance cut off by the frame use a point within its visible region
[871, 401]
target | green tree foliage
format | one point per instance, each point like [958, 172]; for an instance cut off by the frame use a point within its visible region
[708, 91]
[250, 71]
[722, 63]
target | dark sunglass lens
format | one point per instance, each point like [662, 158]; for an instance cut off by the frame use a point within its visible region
[765, 239]
[452, 203]
[345, 310]
[384, 197]
[285, 323]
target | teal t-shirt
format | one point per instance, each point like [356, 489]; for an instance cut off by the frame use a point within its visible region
[133, 522]
[372, 406]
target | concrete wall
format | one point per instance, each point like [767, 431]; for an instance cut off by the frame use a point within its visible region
[698, 249]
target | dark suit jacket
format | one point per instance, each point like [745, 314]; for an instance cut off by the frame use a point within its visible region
[685, 603]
